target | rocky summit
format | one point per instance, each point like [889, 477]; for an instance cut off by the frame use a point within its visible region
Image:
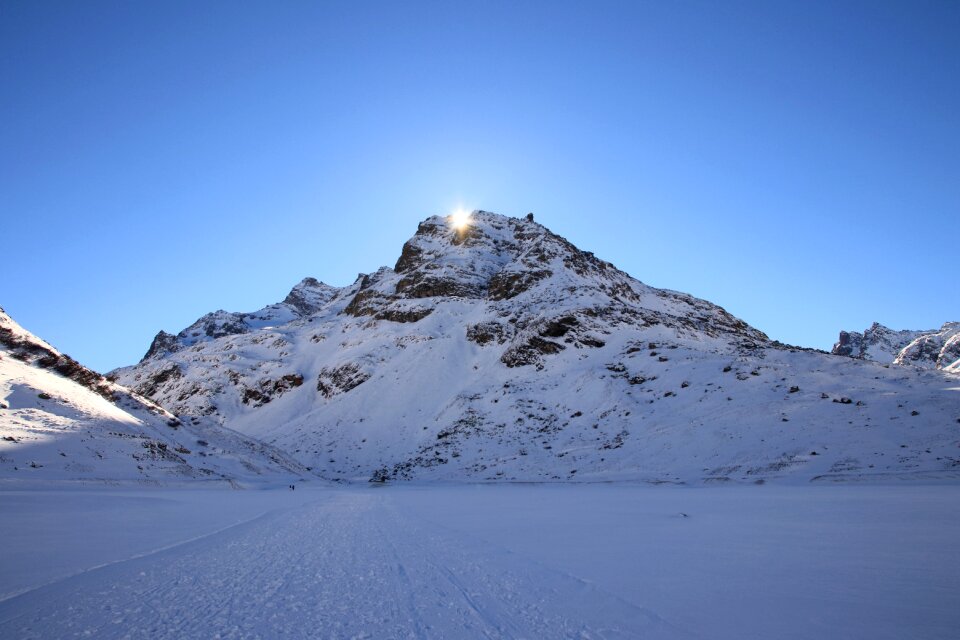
[498, 351]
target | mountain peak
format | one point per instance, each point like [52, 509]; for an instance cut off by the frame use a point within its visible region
[308, 295]
[496, 349]
[496, 257]
[163, 343]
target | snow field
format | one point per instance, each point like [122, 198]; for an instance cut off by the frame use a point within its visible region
[481, 561]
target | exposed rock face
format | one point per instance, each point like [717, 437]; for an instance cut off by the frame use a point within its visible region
[269, 389]
[939, 349]
[340, 379]
[500, 350]
[929, 349]
[309, 296]
[878, 343]
[850, 344]
[530, 352]
[488, 332]
[27, 348]
[160, 378]
[162, 344]
[510, 283]
[504, 259]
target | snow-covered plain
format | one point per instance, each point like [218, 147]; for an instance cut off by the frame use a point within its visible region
[483, 561]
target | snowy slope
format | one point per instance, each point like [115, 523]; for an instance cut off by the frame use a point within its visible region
[500, 351]
[934, 348]
[60, 421]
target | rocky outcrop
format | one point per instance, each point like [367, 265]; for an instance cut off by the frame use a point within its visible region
[215, 325]
[929, 349]
[340, 379]
[877, 343]
[158, 380]
[508, 284]
[849, 344]
[268, 389]
[163, 343]
[31, 350]
[940, 349]
[309, 296]
[530, 352]
[488, 333]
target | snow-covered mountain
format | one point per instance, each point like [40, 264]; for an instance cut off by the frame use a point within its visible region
[934, 348]
[60, 421]
[878, 343]
[498, 350]
[303, 300]
[940, 349]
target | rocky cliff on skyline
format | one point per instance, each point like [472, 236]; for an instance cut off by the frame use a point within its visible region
[933, 348]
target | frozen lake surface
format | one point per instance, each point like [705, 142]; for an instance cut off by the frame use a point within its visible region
[479, 561]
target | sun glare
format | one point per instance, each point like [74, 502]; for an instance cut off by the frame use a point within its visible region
[459, 219]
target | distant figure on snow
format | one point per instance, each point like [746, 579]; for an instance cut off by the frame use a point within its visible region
[530, 217]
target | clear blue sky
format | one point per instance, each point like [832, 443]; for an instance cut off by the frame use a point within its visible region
[795, 162]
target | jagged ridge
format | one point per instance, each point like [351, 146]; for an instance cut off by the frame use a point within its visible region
[932, 348]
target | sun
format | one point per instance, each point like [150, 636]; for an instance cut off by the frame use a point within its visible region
[459, 220]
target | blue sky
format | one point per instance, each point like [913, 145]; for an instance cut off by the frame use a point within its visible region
[797, 163]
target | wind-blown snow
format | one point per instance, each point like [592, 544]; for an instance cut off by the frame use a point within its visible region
[607, 561]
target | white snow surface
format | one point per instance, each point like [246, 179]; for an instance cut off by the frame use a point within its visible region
[504, 353]
[55, 430]
[482, 561]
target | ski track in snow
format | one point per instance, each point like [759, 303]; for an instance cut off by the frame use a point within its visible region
[348, 566]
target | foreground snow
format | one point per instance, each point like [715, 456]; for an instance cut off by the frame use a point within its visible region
[520, 561]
